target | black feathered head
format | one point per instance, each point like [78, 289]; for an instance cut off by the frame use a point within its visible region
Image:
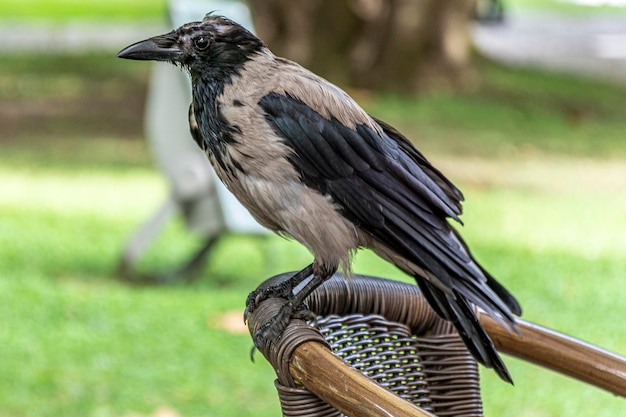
[215, 47]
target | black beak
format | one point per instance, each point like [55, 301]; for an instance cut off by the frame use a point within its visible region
[158, 48]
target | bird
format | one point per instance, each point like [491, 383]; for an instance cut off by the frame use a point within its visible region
[310, 164]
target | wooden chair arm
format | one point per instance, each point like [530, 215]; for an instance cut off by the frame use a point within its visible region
[561, 353]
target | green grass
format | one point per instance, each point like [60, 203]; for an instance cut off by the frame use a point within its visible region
[60, 10]
[507, 113]
[63, 10]
[75, 341]
[541, 159]
[565, 7]
[106, 350]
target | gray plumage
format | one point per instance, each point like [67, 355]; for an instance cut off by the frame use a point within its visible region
[310, 163]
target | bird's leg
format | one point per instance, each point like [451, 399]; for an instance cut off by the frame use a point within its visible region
[273, 329]
[283, 289]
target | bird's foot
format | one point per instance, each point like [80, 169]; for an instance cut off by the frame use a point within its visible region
[273, 329]
[293, 291]
[281, 290]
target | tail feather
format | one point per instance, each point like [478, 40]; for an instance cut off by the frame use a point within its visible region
[457, 311]
[502, 293]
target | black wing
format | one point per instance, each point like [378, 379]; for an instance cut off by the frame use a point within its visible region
[380, 182]
[390, 191]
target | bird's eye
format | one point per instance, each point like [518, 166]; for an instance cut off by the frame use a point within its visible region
[201, 43]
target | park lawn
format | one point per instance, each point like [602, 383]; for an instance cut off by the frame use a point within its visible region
[63, 10]
[76, 341]
[136, 10]
[541, 159]
[572, 7]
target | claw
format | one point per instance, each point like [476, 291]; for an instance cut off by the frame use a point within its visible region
[254, 298]
[247, 313]
[282, 290]
[273, 329]
[303, 313]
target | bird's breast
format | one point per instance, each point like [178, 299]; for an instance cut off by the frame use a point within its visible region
[291, 208]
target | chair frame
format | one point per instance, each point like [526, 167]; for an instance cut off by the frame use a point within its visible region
[305, 364]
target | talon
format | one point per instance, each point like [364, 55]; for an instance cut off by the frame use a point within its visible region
[246, 313]
[282, 290]
[254, 298]
[304, 314]
[273, 329]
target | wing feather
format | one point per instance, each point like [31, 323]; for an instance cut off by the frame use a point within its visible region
[389, 190]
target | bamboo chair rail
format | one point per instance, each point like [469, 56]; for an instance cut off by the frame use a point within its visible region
[444, 382]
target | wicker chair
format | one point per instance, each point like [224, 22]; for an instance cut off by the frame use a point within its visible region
[375, 347]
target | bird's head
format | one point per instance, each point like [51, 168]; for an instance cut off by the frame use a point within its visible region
[213, 47]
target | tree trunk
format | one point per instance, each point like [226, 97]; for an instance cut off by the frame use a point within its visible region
[399, 45]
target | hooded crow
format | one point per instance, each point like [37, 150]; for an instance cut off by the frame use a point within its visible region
[309, 163]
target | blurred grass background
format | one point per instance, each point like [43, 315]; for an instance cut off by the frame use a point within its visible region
[541, 158]
[63, 10]
[96, 9]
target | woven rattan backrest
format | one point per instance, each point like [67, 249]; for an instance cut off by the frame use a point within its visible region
[390, 336]
[386, 330]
